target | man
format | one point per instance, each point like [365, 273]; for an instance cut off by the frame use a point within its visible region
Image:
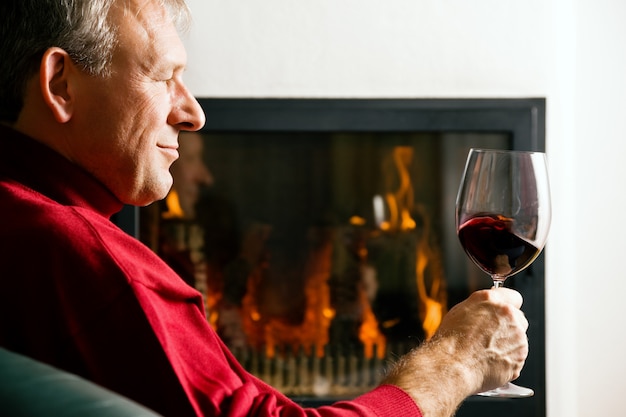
[92, 102]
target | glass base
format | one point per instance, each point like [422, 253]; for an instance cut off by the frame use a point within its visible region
[509, 390]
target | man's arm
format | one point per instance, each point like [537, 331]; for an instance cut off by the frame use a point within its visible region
[481, 344]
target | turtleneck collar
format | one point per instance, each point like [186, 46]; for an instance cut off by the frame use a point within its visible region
[42, 169]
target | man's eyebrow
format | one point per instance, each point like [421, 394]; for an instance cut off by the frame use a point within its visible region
[176, 65]
[169, 67]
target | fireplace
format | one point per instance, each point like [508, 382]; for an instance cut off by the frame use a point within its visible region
[321, 232]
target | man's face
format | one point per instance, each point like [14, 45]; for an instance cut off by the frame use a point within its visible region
[126, 126]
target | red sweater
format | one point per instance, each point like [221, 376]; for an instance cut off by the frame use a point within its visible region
[82, 295]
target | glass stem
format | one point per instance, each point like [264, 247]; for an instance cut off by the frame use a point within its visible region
[497, 282]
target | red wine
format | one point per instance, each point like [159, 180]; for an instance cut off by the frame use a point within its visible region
[490, 243]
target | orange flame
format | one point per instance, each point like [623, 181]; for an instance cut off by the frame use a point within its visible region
[174, 210]
[401, 204]
[432, 302]
[369, 331]
[312, 332]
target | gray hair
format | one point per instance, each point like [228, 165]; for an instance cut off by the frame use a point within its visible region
[80, 27]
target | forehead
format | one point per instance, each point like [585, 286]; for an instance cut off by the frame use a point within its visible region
[146, 29]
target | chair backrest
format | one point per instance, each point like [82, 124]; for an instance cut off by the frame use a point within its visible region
[29, 388]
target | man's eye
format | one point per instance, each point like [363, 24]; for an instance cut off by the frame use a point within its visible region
[163, 78]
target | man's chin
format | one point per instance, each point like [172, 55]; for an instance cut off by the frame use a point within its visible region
[148, 197]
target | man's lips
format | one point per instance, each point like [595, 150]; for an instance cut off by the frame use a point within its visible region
[171, 150]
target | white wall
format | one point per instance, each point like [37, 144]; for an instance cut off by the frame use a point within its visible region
[571, 52]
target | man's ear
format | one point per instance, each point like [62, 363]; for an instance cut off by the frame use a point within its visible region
[55, 78]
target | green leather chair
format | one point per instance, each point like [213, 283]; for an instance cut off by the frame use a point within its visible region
[30, 389]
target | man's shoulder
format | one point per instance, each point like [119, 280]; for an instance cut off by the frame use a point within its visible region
[77, 236]
[30, 209]
[31, 219]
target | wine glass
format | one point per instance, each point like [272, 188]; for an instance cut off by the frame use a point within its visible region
[502, 218]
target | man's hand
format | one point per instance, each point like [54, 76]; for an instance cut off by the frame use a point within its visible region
[480, 344]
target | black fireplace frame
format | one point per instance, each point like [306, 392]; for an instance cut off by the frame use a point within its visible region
[523, 119]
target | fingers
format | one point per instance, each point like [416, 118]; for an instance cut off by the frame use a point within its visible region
[500, 295]
[510, 302]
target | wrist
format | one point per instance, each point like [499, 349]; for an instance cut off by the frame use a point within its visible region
[436, 377]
